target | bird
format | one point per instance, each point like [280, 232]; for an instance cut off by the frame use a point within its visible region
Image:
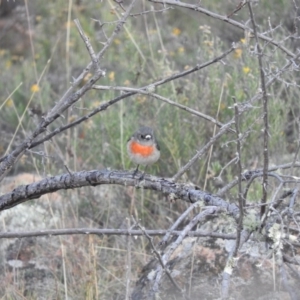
[143, 148]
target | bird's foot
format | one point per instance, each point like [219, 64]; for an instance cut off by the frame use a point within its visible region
[142, 176]
[134, 173]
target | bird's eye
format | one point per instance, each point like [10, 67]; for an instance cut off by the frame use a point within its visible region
[147, 137]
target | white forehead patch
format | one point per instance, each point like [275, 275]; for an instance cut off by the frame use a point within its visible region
[148, 137]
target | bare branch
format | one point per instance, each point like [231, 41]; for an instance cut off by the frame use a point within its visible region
[126, 232]
[160, 260]
[241, 200]
[166, 100]
[88, 45]
[265, 115]
[63, 103]
[243, 108]
[150, 11]
[149, 87]
[203, 150]
[224, 19]
[238, 7]
[178, 222]
[187, 193]
[250, 175]
[128, 260]
[159, 271]
[60, 107]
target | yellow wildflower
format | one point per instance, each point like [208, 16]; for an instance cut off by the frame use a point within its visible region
[9, 103]
[8, 64]
[111, 76]
[176, 31]
[180, 50]
[222, 106]
[34, 88]
[246, 70]
[127, 82]
[237, 53]
[38, 18]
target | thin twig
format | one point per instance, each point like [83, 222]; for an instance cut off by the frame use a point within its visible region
[243, 108]
[59, 107]
[241, 200]
[128, 261]
[273, 204]
[166, 100]
[237, 8]
[125, 232]
[250, 175]
[105, 105]
[88, 45]
[150, 11]
[239, 25]
[160, 260]
[165, 258]
[219, 177]
[265, 113]
[298, 147]
[248, 186]
[178, 222]
[64, 103]
[202, 151]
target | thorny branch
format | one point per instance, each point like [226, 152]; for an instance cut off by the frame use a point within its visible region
[202, 151]
[244, 107]
[224, 19]
[265, 113]
[164, 99]
[178, 222]
[105, 231]
[254, 174]
[187, 193]
[159, 258]
[154, 290]
[8, 162]
[145, 89]
[241, 200]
